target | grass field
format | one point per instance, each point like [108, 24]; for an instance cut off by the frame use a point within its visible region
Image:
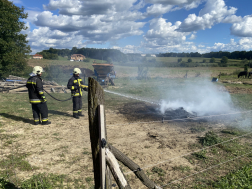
[59, 156]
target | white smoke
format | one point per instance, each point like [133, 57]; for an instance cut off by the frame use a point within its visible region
[202, 97]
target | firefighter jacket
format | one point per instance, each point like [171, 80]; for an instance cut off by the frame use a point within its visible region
[35, 90]
[74, 83]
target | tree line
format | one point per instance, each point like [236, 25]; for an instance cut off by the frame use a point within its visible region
[94, 53]
[230, 55]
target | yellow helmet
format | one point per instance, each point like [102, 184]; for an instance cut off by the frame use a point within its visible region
[37, 70]
[76, 71]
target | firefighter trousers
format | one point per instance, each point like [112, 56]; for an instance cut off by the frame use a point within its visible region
[40, 112]
[77, 105]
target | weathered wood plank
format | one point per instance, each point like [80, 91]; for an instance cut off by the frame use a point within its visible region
[116, 171]
[133, 167]
[95, 98]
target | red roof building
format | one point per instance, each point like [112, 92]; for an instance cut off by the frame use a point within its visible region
[37, 56]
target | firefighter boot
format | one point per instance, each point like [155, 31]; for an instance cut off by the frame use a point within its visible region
[46, 122]
[80, 114]
[36, 123]
[75, 115]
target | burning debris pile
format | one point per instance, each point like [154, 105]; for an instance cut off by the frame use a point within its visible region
[178, 113]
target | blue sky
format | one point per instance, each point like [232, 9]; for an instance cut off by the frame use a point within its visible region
[140, 26]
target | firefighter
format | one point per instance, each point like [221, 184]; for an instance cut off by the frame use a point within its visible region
[37, 97]
[75, 84]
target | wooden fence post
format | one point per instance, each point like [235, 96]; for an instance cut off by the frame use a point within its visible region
[95, 98]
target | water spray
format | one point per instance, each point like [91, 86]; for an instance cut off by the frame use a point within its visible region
[135, 98]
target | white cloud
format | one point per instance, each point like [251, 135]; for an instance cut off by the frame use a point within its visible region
[17, 2]
[243, 28]
[43, 38]
[163, 34]
[88, 8]
[158, 9]
[192, 37]
[97, 21]
[82, 22]
[244, 44]
[214, 12]
[128, 49]
[32, 15]
[232, 19]
[186, 3]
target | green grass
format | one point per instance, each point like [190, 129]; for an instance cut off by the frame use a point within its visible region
[236, 179]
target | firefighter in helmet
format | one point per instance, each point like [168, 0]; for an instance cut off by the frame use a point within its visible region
[75, 84]
[37, 97]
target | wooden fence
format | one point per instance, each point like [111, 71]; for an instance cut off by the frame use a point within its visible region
[105, 156]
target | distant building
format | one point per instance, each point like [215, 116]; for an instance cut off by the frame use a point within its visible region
[148, 55]
[77, 57]
[37, 56]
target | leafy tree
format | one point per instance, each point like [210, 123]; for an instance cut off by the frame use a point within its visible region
[224, 61]
[179, 60]
[212, 60]
[189, 60]
[204, 60]
[13, 44]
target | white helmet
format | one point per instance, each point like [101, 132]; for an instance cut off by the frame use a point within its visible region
[76, 71]
[37, 70]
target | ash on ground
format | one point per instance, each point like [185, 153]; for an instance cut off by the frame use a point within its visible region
[178, 113]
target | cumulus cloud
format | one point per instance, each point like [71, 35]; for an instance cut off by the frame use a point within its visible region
[186, 3]
[43, 38]
[215, 11]
[82, 22]
[163, 36]
[88, 8]
[96, 22]
[192, 37]
[243, 28]
[128, 49]
[158, 9]
[243, 44]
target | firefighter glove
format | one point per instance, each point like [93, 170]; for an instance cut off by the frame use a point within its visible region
[43, 99]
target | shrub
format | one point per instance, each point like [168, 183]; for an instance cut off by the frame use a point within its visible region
[223, 62]
[212, 60]
[209, 139]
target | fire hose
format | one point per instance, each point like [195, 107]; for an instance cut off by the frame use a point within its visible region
[43, 89]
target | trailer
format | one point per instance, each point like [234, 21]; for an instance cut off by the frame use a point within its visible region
[104, 73]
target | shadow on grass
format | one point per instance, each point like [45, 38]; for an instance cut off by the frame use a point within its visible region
[55, 112]
[16, 118]
[7, 185]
